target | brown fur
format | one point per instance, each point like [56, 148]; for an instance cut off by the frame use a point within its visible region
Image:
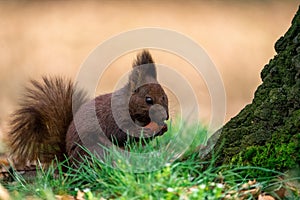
[39, 125]
[44, 126]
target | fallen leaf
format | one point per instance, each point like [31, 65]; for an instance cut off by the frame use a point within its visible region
[265, 197]
[4, 195]
[64, 197]
[252, 182]
[80, 195]
[253, 191]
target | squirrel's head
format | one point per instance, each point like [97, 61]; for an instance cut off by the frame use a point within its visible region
[148, 101]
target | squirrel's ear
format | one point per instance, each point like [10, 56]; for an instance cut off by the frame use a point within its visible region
[144, 70]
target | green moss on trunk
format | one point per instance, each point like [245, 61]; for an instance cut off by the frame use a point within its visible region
[266, 133]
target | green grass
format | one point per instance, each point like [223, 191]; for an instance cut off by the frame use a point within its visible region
[147, 176]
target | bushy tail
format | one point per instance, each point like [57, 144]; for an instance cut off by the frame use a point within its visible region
[39, 126]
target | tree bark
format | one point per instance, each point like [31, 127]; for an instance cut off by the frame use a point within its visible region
[266, 132]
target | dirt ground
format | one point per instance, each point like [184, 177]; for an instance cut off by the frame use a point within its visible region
[55, 37]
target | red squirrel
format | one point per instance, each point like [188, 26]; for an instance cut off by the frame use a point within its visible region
[44, 127]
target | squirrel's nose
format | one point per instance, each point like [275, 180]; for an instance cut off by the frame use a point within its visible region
[158, 114]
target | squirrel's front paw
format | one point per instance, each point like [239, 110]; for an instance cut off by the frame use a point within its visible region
[155, 129]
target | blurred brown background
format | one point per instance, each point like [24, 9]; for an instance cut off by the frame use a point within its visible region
[55, 37]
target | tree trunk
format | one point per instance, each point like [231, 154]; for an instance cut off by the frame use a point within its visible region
[266, 132]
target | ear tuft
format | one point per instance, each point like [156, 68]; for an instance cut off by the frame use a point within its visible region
[143, 58]
[143, 72]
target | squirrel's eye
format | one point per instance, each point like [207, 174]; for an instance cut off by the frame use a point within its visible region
[149, 100]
